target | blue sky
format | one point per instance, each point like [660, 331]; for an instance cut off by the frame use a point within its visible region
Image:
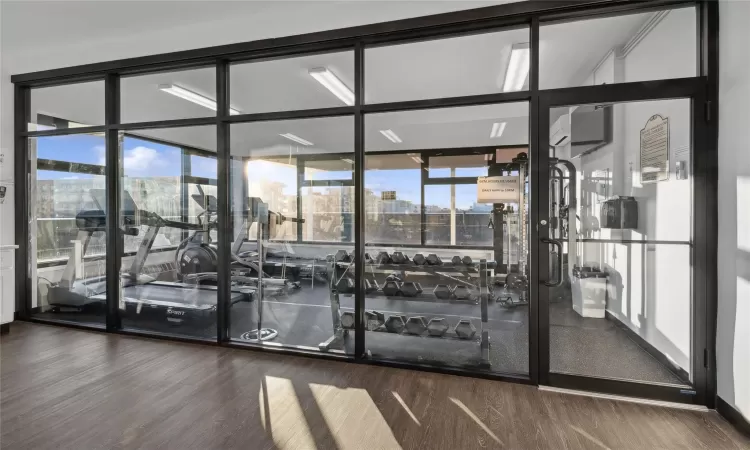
[142, 158]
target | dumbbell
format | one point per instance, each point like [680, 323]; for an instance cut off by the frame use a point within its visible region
[410, 289]
[374, 320]
[467, 260]
[437, 326]
[415, 325]
[442, 291]
[345, 285]
[368, 258]
[434, 260]
[465, 329]
[395, 324]
[383, 258]
[456, 260]
[342, 256]
[462, 292]
[399, 258]
[391, 288]
[419, 259]
[347, 320]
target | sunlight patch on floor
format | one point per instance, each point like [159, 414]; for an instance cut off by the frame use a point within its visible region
[281, 415]
[346, 410]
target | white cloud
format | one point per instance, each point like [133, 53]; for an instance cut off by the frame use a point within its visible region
[142, 159]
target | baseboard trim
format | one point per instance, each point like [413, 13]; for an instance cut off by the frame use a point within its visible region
[733, 416]
[623, 398]
[5, 328]
[681, 373]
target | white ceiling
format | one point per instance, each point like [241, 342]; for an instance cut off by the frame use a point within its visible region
[439, 68]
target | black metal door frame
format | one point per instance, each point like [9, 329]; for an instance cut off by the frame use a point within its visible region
[693, 89]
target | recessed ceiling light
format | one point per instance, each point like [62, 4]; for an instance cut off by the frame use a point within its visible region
[296, 139]
[497, 129]
[391, 136]
[331, 82]
[518, 67]
[488, 156]
[198, 99]
[417, 159]
[347, 160]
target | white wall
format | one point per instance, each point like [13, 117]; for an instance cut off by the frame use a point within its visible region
[733, 335]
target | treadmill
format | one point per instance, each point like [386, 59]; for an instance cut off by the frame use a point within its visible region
[141, 296]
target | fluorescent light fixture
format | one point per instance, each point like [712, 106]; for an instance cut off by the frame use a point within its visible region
[296, 139]
[198, 99]
[518, 67]
[497, 129]
[333, 84]
[417, 159]
[347, 160]
[391, 136]
[488, 156]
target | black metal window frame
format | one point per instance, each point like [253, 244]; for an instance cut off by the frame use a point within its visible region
[702, 89]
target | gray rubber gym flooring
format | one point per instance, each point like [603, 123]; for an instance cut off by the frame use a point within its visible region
[582, 346]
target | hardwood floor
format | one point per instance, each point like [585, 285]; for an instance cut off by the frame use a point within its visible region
[63, 388]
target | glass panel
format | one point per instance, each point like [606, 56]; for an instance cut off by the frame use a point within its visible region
[182, 94]
[417, 290]
[458, 166]
[620, 203]
[393, 198]
[453, 216]
[485, 63]
[634, 47]
[67, 106]
[313, 81]
[69, 245]
[168, 268]
[201, 166]
[292, 207]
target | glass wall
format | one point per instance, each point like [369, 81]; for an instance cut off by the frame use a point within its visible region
[69, 246]
[293, 211]
[169, 220]
[439, 253]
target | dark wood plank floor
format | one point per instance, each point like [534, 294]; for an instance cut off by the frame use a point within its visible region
[63, 388]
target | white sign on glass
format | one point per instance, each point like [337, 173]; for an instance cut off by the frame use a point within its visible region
[655, 150]
[498, 189]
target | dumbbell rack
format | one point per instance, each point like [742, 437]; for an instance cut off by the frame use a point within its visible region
[337, 269]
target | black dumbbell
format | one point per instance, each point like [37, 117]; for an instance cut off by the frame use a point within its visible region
[442, 291]
[374, 320]
[347, 320]
[437, 326]
[462, 292]
[410, 289]
[419, 259]
[416, 325]
[395, 324]
[456, 260]
[465, 329]
[399, 258]
[391, 288]
[342, 256]
[383, 258]
[368, 258]
[345, 285]
[434, 260]
[467, 260]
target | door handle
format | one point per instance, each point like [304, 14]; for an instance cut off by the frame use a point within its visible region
[557, 244]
